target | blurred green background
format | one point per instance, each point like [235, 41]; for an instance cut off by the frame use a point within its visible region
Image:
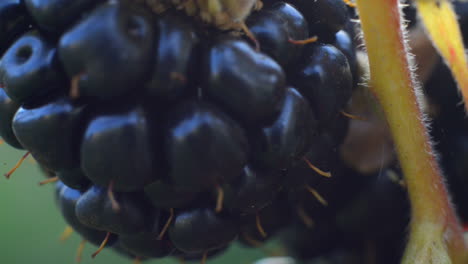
[30, 224]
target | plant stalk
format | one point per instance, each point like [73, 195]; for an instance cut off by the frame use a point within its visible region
[436, 235]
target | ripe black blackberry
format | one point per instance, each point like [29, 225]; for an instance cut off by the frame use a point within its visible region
[156, 123]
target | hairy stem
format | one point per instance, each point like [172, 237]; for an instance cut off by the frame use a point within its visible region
[435, 233]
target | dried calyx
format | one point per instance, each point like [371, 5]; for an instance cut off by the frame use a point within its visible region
[223, 14]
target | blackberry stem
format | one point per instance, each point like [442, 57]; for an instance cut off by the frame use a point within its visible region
[436, 235]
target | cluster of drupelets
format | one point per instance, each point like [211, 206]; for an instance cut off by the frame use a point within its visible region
[170, 137]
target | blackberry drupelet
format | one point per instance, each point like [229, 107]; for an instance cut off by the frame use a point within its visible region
[252, 96]
[58, 124]
[100, 52]
[117, 148]
[203, 146]
[67, 201]
[275, 28]
[172, 135]
[30, 69]
[201, 229]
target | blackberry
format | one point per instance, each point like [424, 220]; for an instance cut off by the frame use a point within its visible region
[171, 137]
